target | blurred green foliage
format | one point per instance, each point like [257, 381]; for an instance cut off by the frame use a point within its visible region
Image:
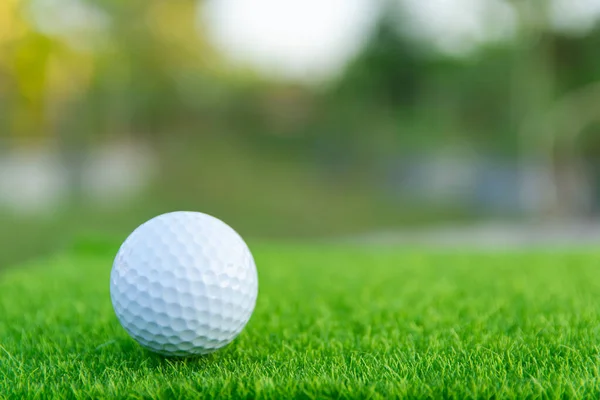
[150, 70]
[271, 155]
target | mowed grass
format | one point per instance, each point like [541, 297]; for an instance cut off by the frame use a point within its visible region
[331, 321]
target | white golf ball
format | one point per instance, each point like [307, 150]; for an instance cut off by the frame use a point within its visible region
[183, 283]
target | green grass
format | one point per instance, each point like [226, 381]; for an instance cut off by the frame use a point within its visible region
[331, 321]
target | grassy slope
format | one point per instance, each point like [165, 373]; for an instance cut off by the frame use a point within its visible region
[330, 321]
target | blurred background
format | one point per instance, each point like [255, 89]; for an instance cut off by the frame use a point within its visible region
[298, 119]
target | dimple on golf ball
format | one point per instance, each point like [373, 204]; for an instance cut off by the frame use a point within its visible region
[183, 283]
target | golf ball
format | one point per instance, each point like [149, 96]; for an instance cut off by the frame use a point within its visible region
[183, 283]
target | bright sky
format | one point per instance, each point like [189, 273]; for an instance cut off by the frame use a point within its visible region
[575, 15]
[458, 26]
[309, 39]
[299, 38]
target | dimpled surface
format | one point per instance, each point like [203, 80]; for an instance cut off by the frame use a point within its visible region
[183, 283]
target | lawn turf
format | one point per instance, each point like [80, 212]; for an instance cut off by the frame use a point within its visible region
[331, 321]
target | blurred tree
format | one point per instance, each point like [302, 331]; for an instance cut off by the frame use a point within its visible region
[364, 107]
[24, 55]
[389, 69]
[576, 59]
[157, 57]
[548, 65]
